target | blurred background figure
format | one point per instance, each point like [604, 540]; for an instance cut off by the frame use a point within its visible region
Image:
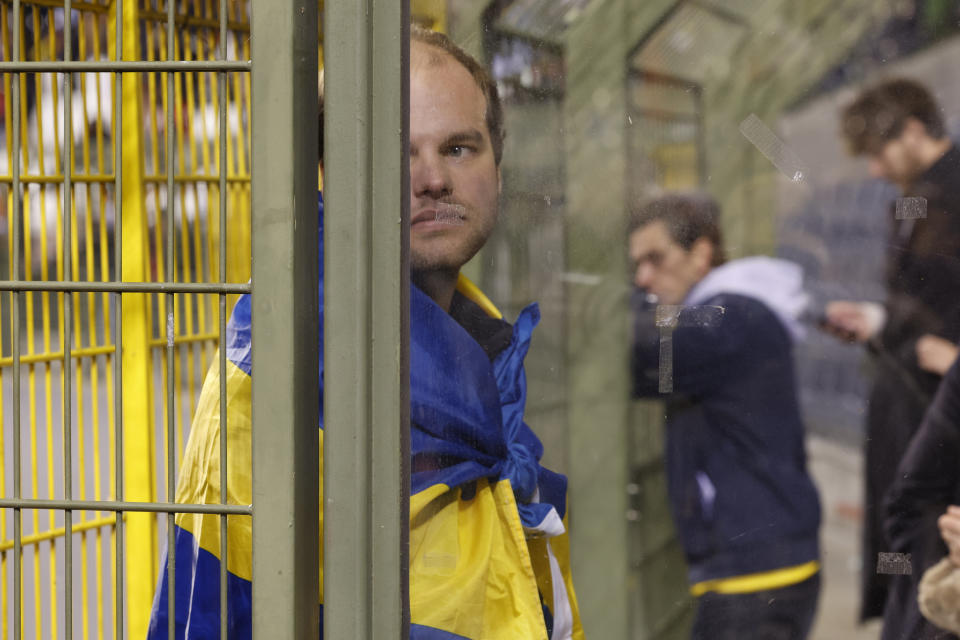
[927, 481]
[898, 127]
[721, 345]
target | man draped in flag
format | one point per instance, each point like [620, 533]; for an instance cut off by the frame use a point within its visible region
[488, 545]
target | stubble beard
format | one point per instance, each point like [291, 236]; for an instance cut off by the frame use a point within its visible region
[445, 258]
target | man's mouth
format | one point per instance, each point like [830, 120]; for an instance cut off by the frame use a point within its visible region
[441, 213]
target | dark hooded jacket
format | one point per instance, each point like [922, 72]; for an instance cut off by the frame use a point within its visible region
[738, 485]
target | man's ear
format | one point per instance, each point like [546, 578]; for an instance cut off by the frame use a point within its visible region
[702, 254]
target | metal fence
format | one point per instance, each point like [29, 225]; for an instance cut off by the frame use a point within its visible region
[124, 234]
[126, 193]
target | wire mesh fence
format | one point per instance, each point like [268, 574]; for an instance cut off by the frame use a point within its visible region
[124, 213]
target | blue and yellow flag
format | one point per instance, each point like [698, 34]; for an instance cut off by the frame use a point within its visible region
[489, 554]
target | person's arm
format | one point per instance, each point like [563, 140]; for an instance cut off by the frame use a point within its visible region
[853, 321]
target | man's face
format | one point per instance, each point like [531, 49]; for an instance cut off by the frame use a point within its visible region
[452, 167]
[898, 160]
[663, 267]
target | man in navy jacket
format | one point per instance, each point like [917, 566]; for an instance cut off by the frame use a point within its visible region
[745, 507]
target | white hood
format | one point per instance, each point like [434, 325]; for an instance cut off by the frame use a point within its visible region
[776, 283]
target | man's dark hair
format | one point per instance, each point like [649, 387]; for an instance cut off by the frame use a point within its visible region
[687, 217]
[494, 114]
[879, 114]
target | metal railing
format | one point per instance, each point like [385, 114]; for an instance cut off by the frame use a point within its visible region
[114, 292]
[125, 236]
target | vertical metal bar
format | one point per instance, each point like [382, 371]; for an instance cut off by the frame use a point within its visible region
[139, 473]
[68, 323]
[118, 314]
[171, 350]
[15, 326]
[285, 304]
[366, 318]
[222, 299]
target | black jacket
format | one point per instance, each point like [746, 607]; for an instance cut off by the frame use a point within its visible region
[928, 480]
[923, 296]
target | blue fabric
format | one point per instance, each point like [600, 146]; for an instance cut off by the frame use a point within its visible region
[197, 596]
[739, 489]
[238, 335]
[420, 632]
[468, 417]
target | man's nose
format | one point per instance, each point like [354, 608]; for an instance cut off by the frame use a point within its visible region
[642, 275]
[428, 176]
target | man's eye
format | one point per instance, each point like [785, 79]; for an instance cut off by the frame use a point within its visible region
[458, 151]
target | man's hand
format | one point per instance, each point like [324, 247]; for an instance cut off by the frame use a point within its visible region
[935, 354]
[853, 321]
[949, 524]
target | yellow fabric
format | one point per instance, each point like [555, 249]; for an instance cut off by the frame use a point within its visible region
[472, 572]
[753, 582]
[470, 568]
[472, 291]
[199, 481]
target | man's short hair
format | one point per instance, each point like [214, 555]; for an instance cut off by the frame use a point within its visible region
[494, 114]
[879, 114]
[687, 217]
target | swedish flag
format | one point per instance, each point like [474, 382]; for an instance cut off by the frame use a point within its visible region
[489, 555]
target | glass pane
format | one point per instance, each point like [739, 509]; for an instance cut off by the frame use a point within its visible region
[720, 126]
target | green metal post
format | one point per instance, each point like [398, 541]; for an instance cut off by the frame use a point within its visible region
[285, 312]
[598, 323]
[366, 315]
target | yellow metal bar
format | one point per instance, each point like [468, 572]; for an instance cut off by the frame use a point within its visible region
[238, 263]
[209, 99]
[99, 594]
[30, 203]
[43, 168]
[54, 607]
[197, 177]
[93, 398]
[58, 4]
[196, 104]
[53, 534]
[5, 27]
[186, 160]
[108, 178]
[4, 596]
[57, 356]
[138, 451]
[194, 21]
